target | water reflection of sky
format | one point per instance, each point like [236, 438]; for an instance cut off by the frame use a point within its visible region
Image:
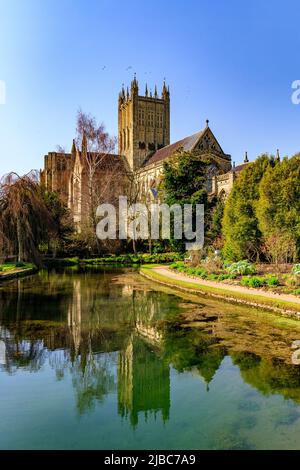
[113, 352]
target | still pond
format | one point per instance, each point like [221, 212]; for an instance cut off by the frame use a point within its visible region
[104, 359]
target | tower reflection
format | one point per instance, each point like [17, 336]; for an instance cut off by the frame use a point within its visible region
[143, 382]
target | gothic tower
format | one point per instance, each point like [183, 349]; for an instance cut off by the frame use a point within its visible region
[143, 123]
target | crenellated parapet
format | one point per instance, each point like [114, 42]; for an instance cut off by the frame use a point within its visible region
[143, 123]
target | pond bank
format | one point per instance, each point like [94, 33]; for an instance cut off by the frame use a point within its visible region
[16, 273]
[127, 259]
[285, 304]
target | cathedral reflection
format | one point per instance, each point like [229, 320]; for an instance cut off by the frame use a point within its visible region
[108, 343]
[143, 381]
[115, 337]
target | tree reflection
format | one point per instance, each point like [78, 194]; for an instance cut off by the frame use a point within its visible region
[269, 375]
[18, 353]
[112, 335]
[94, 382]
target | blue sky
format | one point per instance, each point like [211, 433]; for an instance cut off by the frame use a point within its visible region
[230, 61]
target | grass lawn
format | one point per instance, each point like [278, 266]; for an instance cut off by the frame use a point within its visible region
[6, 268]
[221, 291]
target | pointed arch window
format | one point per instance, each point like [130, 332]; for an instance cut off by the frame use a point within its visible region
[128, 138]
[151, 118]
[141, 117]
[124, 139]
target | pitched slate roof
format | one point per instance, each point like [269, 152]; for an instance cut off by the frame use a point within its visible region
[187, 144]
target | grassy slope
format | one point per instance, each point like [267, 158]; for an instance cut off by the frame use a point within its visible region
[10, 271]
[8, 267]
[221, 291]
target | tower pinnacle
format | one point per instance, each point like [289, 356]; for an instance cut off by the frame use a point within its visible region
[73, 151]
[165, 92]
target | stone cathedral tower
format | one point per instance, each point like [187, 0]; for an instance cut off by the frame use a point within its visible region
[143, 123]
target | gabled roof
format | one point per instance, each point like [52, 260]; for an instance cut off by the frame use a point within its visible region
[187, 144]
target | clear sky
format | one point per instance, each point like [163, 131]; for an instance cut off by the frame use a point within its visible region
[230, 61]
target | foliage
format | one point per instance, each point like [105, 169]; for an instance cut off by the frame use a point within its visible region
[217, 214]
[61, 220]
[127, 259]
[184, 179]
[253, 281]
[6, 267]
[279, 204]
[25, 220]
[241, 268]
[272, 281]
[200, 271]
[292, 281]
[262, 213]
[296, 269]
[20, 264]
[240, 224]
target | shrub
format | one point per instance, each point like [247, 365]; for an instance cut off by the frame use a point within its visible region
[279, 248]
[213, 277]
[296, 292]
[181, 267]
[196, 257]
[253, 281]
[177, 264]
[19, 264]
[200, 271]
[241, 268]
[190, 271]
[272, 281]
[1, 268]
[213, 264]
[292, 281]
[141, 258]
[296, 269]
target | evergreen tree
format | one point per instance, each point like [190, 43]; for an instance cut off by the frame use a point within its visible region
[184, 180]
[241, 229]
[278, 210]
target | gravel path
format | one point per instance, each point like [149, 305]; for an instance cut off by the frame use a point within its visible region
[220, 285]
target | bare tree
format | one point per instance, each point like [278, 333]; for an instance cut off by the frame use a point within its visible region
[133, 193]
[60, 149]
[101, 174]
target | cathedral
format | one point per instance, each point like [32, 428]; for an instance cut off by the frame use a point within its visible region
[143, 146]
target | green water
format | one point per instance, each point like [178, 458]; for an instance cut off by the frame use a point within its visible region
[103, 359]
